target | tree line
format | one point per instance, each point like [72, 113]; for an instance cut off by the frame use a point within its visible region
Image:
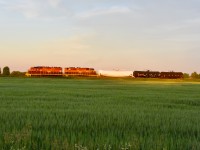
[193, 75]
[6, 73]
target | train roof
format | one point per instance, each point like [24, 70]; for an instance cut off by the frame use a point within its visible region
[147, 71]
[45, 67]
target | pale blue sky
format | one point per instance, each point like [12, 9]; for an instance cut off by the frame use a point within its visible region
[104, 34]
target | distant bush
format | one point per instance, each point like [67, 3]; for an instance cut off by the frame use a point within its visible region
[17, 74]
[186, 75]
[195, 75]
[6, 71]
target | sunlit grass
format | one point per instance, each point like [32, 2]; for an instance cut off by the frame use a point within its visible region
[46, 113]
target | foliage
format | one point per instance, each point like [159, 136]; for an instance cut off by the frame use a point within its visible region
[194, 75]
[17, 74]
[100, 114]
[18, 139]
[6, 71]
[186, 75]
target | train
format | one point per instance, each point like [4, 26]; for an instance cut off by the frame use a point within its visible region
[91, 72]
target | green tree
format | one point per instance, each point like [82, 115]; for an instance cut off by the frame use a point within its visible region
[186, 75]
[194, 75]
[6, 71]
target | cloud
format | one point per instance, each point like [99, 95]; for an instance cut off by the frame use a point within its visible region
[34, 8]
[74, 45]
[61, 8]
[54, 3]
[28, 8]
[104, 11]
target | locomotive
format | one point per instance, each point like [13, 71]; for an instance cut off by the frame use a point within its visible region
[44, 71]
[78, 71]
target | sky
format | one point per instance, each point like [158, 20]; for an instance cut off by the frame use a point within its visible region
[152, 35]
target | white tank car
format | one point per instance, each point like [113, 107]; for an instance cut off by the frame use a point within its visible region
[115, 73]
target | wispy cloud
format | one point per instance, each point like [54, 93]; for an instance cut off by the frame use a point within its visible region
[55, 3]
[58, 8]
[33, 8]
[104, 11]
[28, 8]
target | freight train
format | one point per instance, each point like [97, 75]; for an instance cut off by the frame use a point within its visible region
[91, 72]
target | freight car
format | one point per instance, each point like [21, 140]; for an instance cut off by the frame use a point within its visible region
[78, 71]
[44, 71]
[146, 74]
[115, 73]
[157, 74]
[171, 75]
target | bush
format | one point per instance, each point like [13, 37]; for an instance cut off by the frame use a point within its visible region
[194, 75]
[17, 74]
[6, 71]
[186, 75]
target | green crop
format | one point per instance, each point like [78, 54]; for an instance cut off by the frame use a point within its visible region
[99, 114]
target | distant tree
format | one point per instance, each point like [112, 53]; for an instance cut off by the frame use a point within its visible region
[186, 75]
[194, 75]
[17, 74]
[6, 71]
[0, 71]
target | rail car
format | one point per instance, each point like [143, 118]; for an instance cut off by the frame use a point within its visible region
[146, 74]
[115, 73]
[78, 71]
[171, 75]
[157, 74]
[44, 71]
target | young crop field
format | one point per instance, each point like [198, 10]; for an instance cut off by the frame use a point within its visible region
[99, 114]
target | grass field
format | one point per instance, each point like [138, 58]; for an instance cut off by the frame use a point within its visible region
[96, 114]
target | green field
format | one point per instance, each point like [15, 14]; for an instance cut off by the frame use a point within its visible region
[99, 114]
